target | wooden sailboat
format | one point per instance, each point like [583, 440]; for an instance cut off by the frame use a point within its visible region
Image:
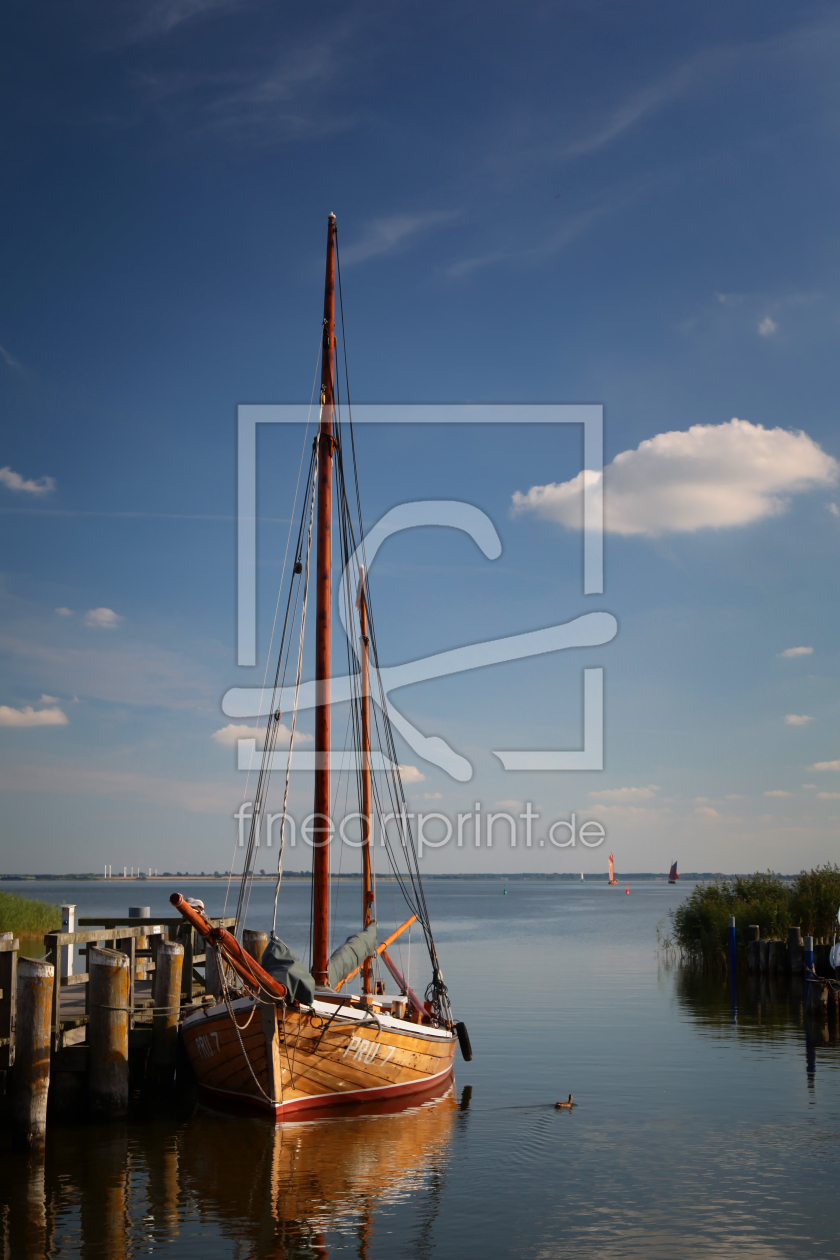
[612, 879]
[283, 1038]
[672, 874]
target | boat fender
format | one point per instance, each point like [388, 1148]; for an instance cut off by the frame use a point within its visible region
[464, 1041]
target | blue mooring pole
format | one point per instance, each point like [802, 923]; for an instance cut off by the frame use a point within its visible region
[733, 993]
[808, 954]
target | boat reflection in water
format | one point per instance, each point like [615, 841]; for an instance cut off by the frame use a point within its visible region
[304, 1189]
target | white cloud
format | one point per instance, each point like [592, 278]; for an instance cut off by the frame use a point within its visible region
[730, 299]
[825, 765]
[710, 477]
[386, 235]
[829, 796]
[410, 774]
[734, 796]
[230, 735]
[102, 618]
[778, 792]
[64, 612]
[626, 795]
[797, 651]
[809, 785]
[48, 700]
[13, 481]
[706, 811]
[767, 327]
[28, 716]
[798, 719]
[833, 509]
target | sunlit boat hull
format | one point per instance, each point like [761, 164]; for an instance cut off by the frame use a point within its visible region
[313, 1060]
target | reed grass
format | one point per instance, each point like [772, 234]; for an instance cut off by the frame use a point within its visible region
[26, 917]
[701, 923]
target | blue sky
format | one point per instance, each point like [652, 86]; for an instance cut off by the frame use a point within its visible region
[632, 205]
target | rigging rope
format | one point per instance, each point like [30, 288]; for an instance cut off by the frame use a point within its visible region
[294, 704]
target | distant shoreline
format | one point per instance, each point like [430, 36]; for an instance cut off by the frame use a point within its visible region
[511, 877]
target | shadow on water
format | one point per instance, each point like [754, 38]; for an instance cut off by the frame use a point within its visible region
[270, 1191]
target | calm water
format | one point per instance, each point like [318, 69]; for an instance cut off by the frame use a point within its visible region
[698, 1133]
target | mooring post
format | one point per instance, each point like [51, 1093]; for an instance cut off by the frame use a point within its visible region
[732, 945]
[9, 947]
[212, 979]
[170, 965]
[794, 951]
[817, 999]
[140, 912]
[754, 947]
[68, 924]
[107, 1070]
[808, 954]
[35, 982]
[256, 943]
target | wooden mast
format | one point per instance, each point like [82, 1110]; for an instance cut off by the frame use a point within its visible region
[322, 822]
[367, 887]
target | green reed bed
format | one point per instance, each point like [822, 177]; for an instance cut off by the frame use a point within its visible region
[26, 917]
[701, 923]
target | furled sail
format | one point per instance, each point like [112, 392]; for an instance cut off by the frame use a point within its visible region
[351, 954]
[279, 961]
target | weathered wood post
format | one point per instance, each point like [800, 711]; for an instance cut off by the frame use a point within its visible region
[8, 997]
[35, 982]
[212, 979]
[794, 951]
[255, 942]
[140, 912]
[754, 936]
[772, 957]
[170, 964]
[107, 1071]
[68, 924]
[762, 957]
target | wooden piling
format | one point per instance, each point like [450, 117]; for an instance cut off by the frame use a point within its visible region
[255, 942]
[817, 1005]
[762, 957]
[9, 947]
[142, 942]
[212, 979]
[35, 982]
[170, 965]
[107, 1071]
[754, 948]
[795, 951]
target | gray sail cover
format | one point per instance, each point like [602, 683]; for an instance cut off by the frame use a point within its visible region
[351, 954]
[279, 961]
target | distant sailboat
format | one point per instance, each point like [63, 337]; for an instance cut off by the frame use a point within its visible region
[673, 876]
[613, 879]
[581, 876]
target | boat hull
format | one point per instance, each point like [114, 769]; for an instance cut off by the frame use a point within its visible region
[322, 1058]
